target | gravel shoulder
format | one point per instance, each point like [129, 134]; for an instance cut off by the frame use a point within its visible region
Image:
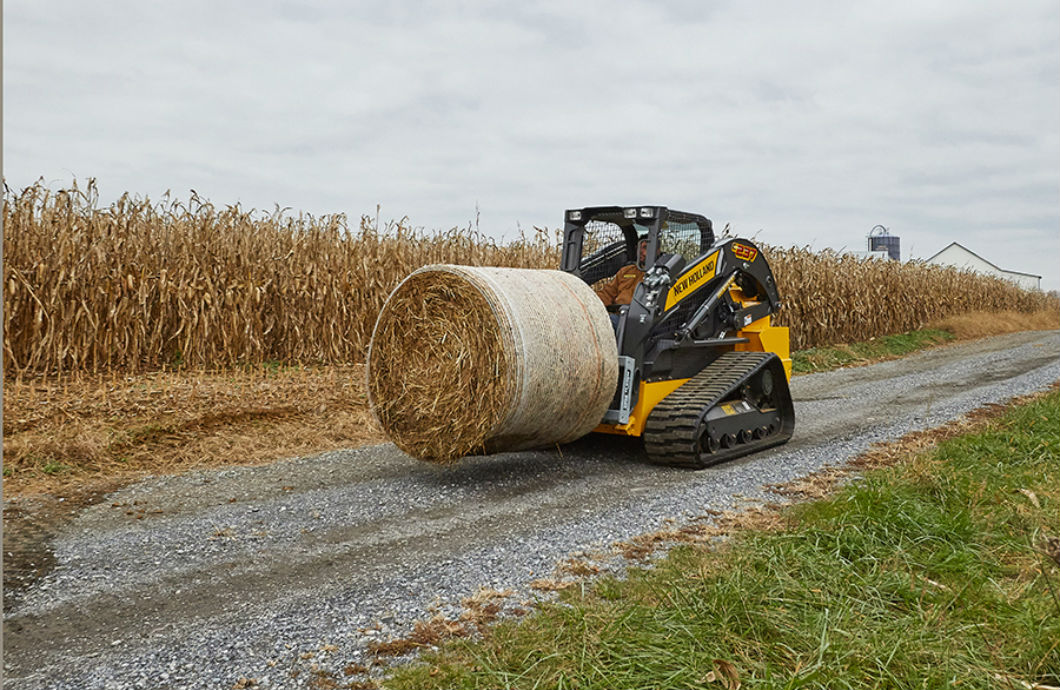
[197, 580]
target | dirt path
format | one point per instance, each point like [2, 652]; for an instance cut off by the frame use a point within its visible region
[285, 572]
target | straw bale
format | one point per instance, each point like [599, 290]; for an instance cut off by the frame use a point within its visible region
[468, 360]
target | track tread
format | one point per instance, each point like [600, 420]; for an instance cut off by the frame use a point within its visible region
[671, 433]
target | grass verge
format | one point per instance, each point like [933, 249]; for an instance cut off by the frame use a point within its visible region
[888, 347]
[940, 571]
[962, 327]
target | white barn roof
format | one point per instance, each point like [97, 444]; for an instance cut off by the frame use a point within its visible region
[956, 254]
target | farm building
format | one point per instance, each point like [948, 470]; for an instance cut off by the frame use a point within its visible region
[961, 257]
[882, 254]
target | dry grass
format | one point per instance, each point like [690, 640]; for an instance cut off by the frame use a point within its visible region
[140, 286]
[439, 371]
[59, 435]
[982, 324]
[578, 567]
[480, 610]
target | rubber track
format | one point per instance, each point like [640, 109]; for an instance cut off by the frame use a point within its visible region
[670, 435]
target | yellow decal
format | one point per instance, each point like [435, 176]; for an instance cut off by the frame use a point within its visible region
[728, 409]
[742, 251]
[686, 284]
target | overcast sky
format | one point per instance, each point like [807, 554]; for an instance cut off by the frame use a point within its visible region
[806, 123]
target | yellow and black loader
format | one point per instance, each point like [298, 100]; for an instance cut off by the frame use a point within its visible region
[703, 373]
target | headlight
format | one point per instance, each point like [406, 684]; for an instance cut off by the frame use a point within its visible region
[646, 213]
[574, 215]
[630, 213]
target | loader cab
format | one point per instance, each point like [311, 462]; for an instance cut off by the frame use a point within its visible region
[600, 240]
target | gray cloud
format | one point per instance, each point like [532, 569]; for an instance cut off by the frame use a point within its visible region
[809, 122]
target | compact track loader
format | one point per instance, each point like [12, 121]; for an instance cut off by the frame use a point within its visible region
[703, 375]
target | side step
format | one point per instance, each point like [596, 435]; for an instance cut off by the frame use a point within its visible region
[739, 404]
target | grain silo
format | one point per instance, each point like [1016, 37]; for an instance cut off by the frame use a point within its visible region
[881, 239]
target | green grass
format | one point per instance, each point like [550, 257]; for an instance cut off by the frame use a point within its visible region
[54, 467]
[927, 574]
[886, 347]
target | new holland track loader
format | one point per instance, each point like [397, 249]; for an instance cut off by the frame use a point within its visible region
[703, 374]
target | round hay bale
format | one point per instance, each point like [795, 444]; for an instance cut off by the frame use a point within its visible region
[467, 360]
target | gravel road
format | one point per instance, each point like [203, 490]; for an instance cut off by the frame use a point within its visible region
[283, 573]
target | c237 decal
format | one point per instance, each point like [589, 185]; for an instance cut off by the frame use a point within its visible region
[742, 251]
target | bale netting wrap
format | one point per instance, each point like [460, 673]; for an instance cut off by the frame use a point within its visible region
[466, 360]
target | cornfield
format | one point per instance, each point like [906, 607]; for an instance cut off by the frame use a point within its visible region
[138, 286]
[141, 286]
[831, 298]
